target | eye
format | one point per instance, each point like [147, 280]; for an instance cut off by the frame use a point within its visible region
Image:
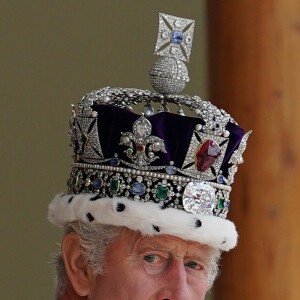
[154, 264]
[153, 259]
[193, 265]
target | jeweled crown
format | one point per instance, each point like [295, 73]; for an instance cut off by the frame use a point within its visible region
[187, 163]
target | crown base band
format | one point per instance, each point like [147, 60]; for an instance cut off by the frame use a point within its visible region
[168, 190]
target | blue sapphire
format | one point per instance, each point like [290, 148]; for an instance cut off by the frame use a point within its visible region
[170, 170]
[137, 188]
[177, 37]
[220, 179]
[228, 205]
[98, 183]
[114, 162]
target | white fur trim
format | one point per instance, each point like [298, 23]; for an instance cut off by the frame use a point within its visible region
[144, 216]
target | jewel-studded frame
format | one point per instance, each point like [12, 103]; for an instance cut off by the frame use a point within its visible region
[83, 177]
[212, 122]
[189, 166]
[148, 142]
[214, 119]
[89, 150]
[169, 24]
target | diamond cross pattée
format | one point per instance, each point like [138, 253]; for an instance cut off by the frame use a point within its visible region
[175, 37]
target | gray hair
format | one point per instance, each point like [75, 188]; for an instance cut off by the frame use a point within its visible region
[95, 239]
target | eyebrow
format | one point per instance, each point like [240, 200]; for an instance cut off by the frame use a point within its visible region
[156, 246]
[153, 246]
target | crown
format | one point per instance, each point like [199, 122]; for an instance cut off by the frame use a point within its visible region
[186, 167]
[186, 163]
[193, 172]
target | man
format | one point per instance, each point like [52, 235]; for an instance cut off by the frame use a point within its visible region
[145, 216]
[133, 266]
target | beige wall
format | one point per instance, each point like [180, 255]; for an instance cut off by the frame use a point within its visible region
[51, 53]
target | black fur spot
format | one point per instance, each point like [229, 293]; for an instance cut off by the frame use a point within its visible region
[224, 240]
[120, 207]
[95, 198]
[90, 217]
[164, 206]
[70, 200]
[156, 228]
[198, 223]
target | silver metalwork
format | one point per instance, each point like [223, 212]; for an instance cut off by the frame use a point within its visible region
[84, 137]
[237, 157]
[182, 192]
[189, 164]
[181, 187]
[169, 74]
[141, 145]
[214, 119]
[165, 45]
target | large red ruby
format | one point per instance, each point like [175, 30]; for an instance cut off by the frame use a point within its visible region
[207, 155]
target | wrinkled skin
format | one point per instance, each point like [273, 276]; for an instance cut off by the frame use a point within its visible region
[150, 268]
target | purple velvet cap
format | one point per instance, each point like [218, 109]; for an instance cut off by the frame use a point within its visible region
[175, 130]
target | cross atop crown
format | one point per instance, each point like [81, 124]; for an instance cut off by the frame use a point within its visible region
[175, 37]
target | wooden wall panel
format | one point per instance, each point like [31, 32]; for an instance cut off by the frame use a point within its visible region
[254, 63]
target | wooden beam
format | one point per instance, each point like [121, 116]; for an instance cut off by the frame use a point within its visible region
[254, 49]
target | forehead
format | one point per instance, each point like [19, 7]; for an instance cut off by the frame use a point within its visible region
[137, 242]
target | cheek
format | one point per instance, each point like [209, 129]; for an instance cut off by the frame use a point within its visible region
[133, 284]
[197, 286]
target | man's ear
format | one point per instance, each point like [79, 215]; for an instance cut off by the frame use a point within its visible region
[79, 274]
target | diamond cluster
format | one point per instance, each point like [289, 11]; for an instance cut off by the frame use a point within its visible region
[198, 185]
[175, 37]
[214, 119]
[168, 190]
[121, 182]
[136, 178]
[169, 74]
[141, 145]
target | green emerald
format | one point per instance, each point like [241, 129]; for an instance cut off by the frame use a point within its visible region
[162, 192]
[114, 186]
[221, 203]
[84, 138]
[75, 181]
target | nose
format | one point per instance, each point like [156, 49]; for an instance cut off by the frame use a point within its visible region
[174, 283]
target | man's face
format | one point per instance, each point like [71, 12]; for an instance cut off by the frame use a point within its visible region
[161, 267]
